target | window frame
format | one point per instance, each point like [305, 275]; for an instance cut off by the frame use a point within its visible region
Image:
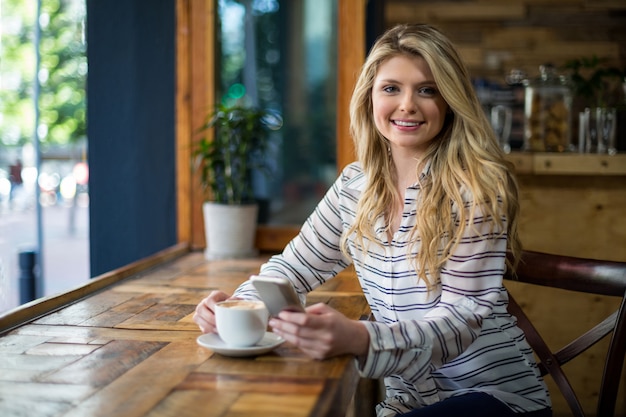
[195, 58]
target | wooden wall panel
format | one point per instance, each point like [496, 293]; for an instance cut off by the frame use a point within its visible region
[479, 11]
[574, 215]
[523, 33]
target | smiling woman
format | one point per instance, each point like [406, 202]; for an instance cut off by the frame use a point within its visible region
[426, 215]
[408, 110]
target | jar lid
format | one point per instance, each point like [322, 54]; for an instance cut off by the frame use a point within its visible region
[515, 77]
[548, 77]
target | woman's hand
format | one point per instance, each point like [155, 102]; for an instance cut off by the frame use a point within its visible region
[205, 312]
[322, 332]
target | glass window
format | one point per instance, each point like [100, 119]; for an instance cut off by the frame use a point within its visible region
[281, 55]
[43, 169]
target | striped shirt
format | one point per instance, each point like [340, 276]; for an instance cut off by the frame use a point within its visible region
[427, 345]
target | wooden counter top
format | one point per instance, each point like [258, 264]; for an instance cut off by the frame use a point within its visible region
[553, 163]
[129, 349]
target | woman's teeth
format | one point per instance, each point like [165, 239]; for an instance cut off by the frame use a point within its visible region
[405, 124]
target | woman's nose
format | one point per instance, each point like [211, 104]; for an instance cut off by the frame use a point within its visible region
[408, 104]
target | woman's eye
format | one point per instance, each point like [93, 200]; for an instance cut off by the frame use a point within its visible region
[428, 91]
[390, 89]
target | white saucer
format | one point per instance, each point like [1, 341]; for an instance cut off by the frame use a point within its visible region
[212, 341]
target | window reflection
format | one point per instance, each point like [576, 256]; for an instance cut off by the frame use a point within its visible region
[281, 55]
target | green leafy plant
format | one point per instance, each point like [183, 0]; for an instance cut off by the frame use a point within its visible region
[596, 83]
[226, 162]
[61, 75]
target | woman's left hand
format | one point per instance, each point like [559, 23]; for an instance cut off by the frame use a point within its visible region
[322, 332]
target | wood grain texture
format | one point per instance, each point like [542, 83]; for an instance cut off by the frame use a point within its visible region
[184, 127]
[555, 163]
[351, 50]
[480, 11]
[43, 306]
[130, 350]
[574, 215]
[495, 36]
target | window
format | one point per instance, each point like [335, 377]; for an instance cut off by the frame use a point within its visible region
[43, 172]
[197, 64]
[281, 55]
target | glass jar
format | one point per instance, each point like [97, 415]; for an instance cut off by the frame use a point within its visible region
[547, 112]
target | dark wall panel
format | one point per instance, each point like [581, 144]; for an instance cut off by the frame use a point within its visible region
[131, 116]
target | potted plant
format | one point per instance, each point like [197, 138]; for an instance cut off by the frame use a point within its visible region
[226, 161]
[597, 84]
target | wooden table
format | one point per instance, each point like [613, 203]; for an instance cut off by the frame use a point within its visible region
[129, 349]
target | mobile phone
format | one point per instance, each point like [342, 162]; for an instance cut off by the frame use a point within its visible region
[277, 293]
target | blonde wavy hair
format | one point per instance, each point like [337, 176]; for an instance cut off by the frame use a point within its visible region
[465, 155]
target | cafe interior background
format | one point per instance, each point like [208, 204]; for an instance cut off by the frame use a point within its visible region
[105, 176]
[122, 87]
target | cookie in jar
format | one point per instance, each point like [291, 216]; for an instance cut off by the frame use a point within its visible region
[547, 112]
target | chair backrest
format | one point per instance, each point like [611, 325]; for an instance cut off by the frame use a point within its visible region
[582, 275]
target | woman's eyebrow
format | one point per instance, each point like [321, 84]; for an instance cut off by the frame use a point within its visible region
[388, 80]
[394, 81]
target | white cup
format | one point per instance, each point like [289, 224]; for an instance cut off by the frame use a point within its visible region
[241, 323]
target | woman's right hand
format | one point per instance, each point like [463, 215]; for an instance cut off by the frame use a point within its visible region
[205, 311]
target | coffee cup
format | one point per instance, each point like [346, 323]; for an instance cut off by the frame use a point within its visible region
[241, 323]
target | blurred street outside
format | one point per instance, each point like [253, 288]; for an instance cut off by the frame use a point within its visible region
[65, 244]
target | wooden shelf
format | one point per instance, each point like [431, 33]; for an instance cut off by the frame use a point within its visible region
[480, 11]
[540, 163]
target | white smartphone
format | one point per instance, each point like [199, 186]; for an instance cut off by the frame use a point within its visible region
[277, 293]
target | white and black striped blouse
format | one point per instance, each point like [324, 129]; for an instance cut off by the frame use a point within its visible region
[428, 345]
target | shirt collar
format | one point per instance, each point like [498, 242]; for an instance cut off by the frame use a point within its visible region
[359, 181]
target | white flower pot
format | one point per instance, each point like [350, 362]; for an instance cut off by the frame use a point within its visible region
[230, 230]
